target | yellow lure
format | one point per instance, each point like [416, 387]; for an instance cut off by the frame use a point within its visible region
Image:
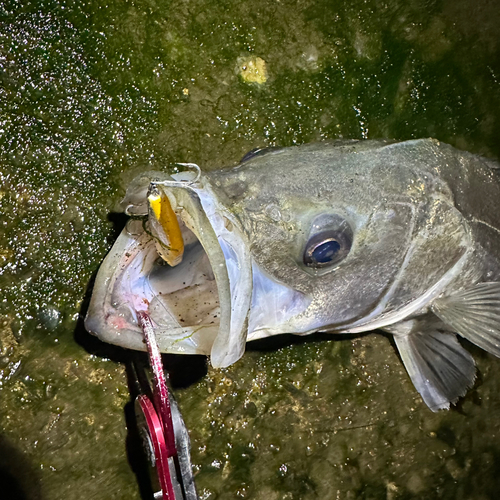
[170, 244]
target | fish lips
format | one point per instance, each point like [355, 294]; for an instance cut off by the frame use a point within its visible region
[123, 284]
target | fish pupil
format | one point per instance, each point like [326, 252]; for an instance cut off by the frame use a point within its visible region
[325, 252]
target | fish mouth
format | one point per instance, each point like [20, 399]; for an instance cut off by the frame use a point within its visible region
[206, 304]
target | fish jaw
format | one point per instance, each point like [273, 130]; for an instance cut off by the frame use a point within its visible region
[131, 279]
[229, 255]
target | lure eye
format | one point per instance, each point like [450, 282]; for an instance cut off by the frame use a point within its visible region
[328, 247]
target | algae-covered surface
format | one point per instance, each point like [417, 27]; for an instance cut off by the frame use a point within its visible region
[91, 93]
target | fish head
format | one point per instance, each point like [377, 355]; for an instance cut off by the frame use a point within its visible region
[297, 240]
[364, 233]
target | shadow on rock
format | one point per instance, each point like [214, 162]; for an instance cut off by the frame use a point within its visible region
[18, 479]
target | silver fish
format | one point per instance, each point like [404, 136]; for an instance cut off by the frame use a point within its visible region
[343, 238]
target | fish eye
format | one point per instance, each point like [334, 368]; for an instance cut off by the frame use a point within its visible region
[328, 247]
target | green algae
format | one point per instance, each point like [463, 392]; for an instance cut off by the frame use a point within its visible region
[91, 93]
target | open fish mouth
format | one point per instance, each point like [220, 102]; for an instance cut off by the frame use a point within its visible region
[187, 264]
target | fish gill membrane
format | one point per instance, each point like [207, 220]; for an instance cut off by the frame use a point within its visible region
[340, 237]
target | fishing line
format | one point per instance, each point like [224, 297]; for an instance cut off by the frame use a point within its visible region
[178, 183]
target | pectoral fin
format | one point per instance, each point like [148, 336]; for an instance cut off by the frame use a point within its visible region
[440, 368]
[474, 314]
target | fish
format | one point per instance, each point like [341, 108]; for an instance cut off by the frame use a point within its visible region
[340, 237]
